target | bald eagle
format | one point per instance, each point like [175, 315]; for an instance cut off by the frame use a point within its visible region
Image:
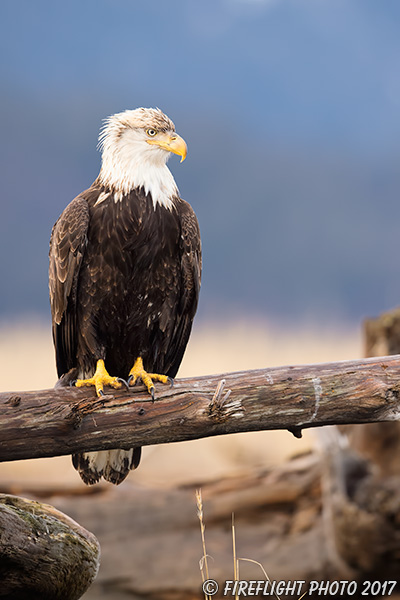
[124, 275]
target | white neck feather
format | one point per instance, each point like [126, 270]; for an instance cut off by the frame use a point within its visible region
[128, 162]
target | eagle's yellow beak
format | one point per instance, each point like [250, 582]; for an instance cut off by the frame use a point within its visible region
[171, 142]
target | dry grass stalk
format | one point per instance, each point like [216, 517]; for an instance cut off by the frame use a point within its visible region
[235, 560]
[203, 563]
[262, 569]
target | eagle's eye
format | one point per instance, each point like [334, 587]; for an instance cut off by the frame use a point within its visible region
[151, 132]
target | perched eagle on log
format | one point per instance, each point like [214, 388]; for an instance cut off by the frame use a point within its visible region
[124, 276]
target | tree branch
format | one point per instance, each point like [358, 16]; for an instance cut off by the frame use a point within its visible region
[64, 420]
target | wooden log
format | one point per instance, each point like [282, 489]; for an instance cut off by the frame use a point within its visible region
[382, 334]
[361, 511]
[64, 420]
[44, 555]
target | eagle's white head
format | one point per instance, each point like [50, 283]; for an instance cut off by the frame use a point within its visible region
[136, 145]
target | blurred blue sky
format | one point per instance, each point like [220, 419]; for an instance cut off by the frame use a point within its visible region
[291, 112]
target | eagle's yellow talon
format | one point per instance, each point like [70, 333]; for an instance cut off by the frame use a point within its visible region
[99, 379]
[138, 372]
[161, 378]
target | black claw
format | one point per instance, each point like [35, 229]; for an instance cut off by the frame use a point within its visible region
[125, 383]
[171, 381]
[130, 378]
[153, 393]
[101, 393]
[72, 383]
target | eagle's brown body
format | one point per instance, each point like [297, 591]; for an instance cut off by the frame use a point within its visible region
[124, 283]
[134, 277]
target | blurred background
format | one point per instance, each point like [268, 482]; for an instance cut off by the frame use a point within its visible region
[290, 109]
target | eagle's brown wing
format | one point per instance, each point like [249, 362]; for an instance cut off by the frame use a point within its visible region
[190, 267]
[67, 247]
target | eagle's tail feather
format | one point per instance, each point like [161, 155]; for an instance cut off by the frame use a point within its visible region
[113, 465]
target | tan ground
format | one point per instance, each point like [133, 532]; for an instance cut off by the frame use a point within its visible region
[27, 362]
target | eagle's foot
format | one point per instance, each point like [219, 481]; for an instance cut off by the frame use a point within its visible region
[137, 372]
[100, 379]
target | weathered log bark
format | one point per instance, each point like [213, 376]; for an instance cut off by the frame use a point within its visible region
[64, 420]
[44, 555]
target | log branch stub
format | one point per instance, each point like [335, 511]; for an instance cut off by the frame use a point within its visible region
[64, 420]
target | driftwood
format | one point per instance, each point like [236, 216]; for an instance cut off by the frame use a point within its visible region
[362, 511]
[44, 555]
[64, 420]
[382, 334]
[362, 477]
